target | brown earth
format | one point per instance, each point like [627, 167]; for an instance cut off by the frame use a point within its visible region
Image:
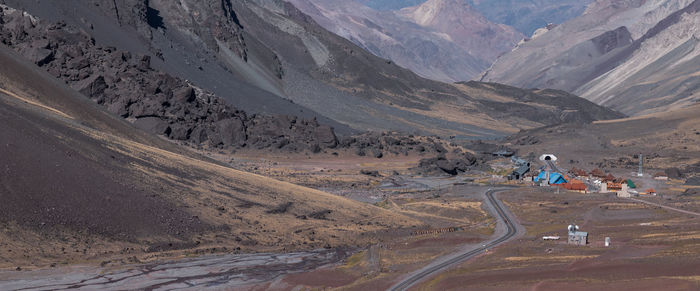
[81, 185]
[667, 140]
[659, 255]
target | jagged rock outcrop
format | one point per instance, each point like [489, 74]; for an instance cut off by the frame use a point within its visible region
[126, 85]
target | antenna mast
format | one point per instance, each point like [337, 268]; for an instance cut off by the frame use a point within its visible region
[640, 173]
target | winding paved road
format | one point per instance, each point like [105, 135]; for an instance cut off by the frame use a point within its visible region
[503, 216]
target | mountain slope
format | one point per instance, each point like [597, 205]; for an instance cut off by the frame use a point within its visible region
[79, 184]
[526, 15]
[465, 26]
[666, 139]
[440, 40]
[636, 57]
[274, 48]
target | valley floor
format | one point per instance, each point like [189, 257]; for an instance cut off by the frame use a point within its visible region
[652, 247]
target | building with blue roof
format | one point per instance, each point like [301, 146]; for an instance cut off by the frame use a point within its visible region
[554, 178]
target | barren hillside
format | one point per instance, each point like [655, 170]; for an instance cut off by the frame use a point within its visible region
[637, 57]
[82, 185]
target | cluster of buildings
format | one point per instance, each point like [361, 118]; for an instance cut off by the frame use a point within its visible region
[582, 181]
[576, 180]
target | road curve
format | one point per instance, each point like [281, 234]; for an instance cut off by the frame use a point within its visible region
[445, 262]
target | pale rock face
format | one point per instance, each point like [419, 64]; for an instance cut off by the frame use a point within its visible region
[466, 26]
[621, 77]
[611, 86]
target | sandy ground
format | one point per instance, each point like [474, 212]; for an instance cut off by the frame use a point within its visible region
[208, 272]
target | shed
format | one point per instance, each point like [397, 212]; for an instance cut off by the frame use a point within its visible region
[575, 185]
[520, 172]
[579, 238]
[631, 184]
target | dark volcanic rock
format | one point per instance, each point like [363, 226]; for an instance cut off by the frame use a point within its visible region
[691, 192]
[674, 173]
[153, 125]
[231, 131]
[126, 85]
[452, 166]
[370, 173]
[693, 181]
[184, 95]
[39, 56]
[92, 86]
[324, 134]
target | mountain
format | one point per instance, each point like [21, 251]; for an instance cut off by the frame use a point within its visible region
[390, 4]
[268, 62]
[465, 26]
[384, 33]
[80, 184]
[441, 40]
[637, 57]
[529, 15]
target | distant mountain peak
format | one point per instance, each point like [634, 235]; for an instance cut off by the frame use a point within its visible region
[432, 11]
[465, 26]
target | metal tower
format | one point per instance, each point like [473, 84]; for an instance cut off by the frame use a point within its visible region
[640, 173]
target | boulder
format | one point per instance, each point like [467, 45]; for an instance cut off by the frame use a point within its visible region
[184, 95]
[231, 131]
[325, 136]
[146, 107]
[152, 124]
[447, 166]
[199, 135]
[180, 131]
[92, 86]
[144, 64]
[118, 108]
[39, 56]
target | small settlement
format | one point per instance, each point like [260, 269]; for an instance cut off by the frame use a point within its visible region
[582, 181]
[576, 179]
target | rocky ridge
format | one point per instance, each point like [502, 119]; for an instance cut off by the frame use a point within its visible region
[126, 85]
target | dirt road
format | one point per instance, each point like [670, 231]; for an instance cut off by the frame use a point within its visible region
[507, 229]
[665, 207]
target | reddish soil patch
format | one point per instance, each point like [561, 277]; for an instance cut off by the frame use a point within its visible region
[320, 278]
[633, 285]
[628, 275]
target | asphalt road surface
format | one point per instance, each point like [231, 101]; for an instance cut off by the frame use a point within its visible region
[504, 218]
